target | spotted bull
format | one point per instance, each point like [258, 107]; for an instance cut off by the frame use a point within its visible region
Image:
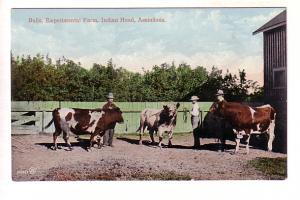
[83, 121]
[159, 120]
[246, 120]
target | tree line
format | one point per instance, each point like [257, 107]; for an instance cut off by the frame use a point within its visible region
[39, 78]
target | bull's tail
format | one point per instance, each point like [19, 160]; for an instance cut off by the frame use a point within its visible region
[49, 124]
[273, 114]
[138, 130]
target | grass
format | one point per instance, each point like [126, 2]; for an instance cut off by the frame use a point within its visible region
[164, 176]
[274, 168]
[60, 174]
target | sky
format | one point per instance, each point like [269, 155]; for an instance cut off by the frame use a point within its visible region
[220, 37]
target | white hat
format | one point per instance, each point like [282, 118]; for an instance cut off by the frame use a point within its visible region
[220, 93]
[194, 98]
[110, 95]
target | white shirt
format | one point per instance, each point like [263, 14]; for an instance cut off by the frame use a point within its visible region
[195, 109]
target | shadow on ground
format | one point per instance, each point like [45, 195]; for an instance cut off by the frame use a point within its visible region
[83, 143]
[209, 147]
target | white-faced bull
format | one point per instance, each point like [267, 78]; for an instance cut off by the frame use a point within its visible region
[159, 120]
[83, 121]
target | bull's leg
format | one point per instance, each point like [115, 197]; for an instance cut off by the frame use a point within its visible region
[271, 135]
[55, 135]
[99, 142]
[66, 136]
[142, 128]
[270, 141]
[141, 139]
[170, 138]
[237, 144]
[159, 141]
[237, 140]
[151, 133]
[160, 137]
[91, 142]
[247, 143]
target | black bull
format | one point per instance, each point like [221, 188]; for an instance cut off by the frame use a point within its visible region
[213, 127]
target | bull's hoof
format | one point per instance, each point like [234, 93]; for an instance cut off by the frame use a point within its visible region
[234, 152]
[152, 143]
[89, 149]
[53, 148]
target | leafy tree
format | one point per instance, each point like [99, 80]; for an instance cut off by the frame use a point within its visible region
[39, 78]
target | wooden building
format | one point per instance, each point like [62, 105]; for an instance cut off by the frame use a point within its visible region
[275, 74]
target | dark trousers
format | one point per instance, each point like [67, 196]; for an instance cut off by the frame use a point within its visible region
[108, 137]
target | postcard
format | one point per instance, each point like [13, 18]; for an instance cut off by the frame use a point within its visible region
[149, 93]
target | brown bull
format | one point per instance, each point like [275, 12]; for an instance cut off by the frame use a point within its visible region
[83, 121]
[246, 120]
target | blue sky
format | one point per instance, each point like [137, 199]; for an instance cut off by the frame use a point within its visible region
[220, 37]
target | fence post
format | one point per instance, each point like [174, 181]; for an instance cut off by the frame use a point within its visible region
[43, 118]
[201, 117]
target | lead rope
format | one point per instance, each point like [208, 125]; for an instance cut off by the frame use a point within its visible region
[185, 111]
[126, 125]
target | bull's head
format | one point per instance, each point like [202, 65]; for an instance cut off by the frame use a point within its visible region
[115, 115]
[119, 117]
[216, 108]
[171, 109]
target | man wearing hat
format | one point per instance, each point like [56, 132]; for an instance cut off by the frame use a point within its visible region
[220, 95]
[109, 133]
[195, 112]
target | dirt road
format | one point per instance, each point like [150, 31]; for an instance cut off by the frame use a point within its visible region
[34, 160]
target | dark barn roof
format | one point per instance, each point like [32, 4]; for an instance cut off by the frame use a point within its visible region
[277, 21]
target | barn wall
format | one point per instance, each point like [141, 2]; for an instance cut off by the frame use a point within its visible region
[275, 58]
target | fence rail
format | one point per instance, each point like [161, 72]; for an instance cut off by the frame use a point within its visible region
[33, 116]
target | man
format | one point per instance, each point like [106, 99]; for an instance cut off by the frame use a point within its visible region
[109, 133]
[195, 112]
[220, 95]
[220, 98]
[195, 120]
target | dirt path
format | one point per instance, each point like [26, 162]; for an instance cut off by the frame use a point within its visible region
[33, 160]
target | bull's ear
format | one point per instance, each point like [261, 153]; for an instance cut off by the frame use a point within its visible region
[177, 105]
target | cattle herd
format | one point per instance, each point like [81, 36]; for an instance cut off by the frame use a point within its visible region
[235, 121]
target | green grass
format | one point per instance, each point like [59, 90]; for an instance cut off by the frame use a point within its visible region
[274, 168]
